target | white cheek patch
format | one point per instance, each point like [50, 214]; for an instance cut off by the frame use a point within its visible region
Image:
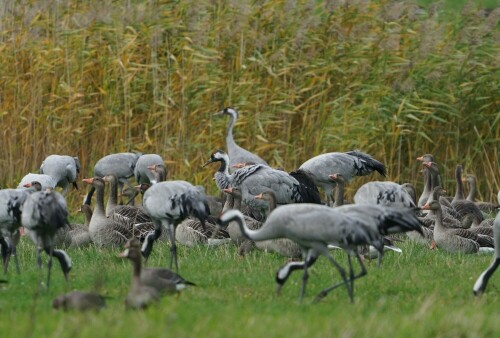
[66, 257]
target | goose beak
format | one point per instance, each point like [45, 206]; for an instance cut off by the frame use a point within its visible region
[421, 159]
[27, 185]
[332, 176]
[426, 207]
[88, 180]
[238, 165]
[259, 197]
[152, 167]
[228, 190]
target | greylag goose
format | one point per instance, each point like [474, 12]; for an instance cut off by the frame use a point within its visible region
[461, 205]
[482, 280]
[236, 153]
[105, 231]
[79, 301]
[455, 240]
[191, 232]
[149, 283]
[63, 169]
[44, 213]
[75, 235]
[486, 207]
[168, 204]
[348, 164]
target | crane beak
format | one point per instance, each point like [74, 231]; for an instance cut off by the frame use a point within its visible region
[219, 113]
[207, 163]
[278, 289]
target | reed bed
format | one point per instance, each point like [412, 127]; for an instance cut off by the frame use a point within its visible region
[89, 78]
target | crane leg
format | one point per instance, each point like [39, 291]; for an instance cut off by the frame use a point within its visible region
[14, 252]
[49, 266]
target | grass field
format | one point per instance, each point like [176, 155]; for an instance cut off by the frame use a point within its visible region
[418, 293]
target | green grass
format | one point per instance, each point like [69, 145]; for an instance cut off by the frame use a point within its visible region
[418, 293]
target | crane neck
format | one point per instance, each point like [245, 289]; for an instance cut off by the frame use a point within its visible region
[261, 234]
[229, 136]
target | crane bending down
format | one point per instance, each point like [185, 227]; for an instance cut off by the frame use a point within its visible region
[168, 204]
[349, 164]
[313, 227]
[44, 213]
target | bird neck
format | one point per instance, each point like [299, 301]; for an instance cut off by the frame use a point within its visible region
[427, 182]
[473, 190]
[112, 195]
[88, 215]
[339, 194]
[459, 194]
[229, 136]
[99, 201]
[438, 225]
[136, 273]
[261, 234]
[229, 204]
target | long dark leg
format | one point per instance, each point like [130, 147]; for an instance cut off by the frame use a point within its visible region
[342, 274]
[173, 248]
[49, 265]
[14, 253]
[310, 259]
[362, 273]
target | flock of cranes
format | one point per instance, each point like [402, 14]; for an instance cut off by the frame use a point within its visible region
[268, 208]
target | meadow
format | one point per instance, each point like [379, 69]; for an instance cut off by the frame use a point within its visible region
[419, 293]
[88, 78]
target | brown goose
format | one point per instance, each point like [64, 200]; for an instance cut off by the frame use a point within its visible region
[105, 231]
[79, 301]
[486, 207]
[191, 232]
[75, 235]
[162, 280]
[461, 205]
[455, 240]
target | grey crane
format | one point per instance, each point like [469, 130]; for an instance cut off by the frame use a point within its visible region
[482, 280]
[383, 193]
[44, 213]
[46, 181]
[168, 204]
[63, 169]
[120, 164]
[348, 164]
[236, 153]
[313, 227]
[294, 187]
[141, 171]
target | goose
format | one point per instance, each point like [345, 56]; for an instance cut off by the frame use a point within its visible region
[168, 204]
[158, 172]
[105, 231]
[140, 296]
[426, 158]
[142, 172]
[191, 232]
[164, 281]
[482, 280]
[79, 301]
[45, 212]
[455, 240]
[294, 187]
[236, 153]
[122, 213]
[63, 169]
[427, 186]
[46, 181]
[313, 227]
[75, 235]
[461, 205]
[485, 207]
[348, 164]
[120, 164]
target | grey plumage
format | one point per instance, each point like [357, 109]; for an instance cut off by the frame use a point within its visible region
[46, 181]
[236, 153]
[384, 193]
[63, 169]
[121, 165]
[348, 164]
[142, 173]
[482, 280]
[44, 213]
[168, 204]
